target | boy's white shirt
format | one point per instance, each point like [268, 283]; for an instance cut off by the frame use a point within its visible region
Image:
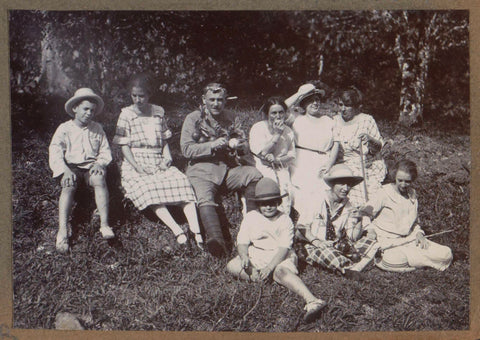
[81, 146]
[264, 233]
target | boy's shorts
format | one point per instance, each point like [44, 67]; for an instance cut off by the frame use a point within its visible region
[261, 258]
[83, 175]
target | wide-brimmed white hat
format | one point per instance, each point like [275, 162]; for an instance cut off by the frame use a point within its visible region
[305, 91]
[341, 171]
[82, 94]
[397, 263]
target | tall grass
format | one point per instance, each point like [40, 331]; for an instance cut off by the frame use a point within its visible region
[141, 281]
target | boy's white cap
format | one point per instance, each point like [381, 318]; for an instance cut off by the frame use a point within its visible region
[82, 94]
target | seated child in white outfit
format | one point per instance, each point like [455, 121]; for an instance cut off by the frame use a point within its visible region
[265, 247]
[79, 150]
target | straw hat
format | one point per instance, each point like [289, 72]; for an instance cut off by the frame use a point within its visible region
[341, 171]
[303, 98]
[80, 95]
[267, 189]
[396, 263]
[305, 91]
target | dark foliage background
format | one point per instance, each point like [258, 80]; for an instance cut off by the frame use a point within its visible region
[394, 57]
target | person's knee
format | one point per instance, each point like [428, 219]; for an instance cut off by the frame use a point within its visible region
[204, 191]
[98, 181]
[280, 273]
[446, 255]
[233, 266]
[252, 174]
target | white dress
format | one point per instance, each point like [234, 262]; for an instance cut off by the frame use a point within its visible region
[259, 136]
[395, 223]
[317, 135]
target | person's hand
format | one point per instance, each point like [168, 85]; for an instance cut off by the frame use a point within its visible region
[364, 137]
[356, 213]
[269, 157]
[305, 88]
[371, 234]
[68, 179]
[141, 170]
[264, 273]
[421, 241]
[165, 164]
[219, 143]
[97, 170]
[245, 262]
[278, 126]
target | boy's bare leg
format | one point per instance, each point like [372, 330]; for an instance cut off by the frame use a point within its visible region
[101, 200]
[290, 280]
[65, 204]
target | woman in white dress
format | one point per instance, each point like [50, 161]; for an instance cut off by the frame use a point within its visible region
[316, 148]
[394, 210]
[273, 144]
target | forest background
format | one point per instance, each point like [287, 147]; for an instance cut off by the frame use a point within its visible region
[413, 69]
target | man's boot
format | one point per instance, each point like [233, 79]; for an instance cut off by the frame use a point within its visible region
[215, 242]
[249, 195]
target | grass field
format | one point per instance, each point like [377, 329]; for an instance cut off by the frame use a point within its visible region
[141, 281]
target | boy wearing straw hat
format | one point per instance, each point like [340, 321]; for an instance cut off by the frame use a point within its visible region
[264, 245]
[79, 151]
[333, 230]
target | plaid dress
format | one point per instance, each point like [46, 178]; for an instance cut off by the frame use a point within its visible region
[375, 169]
[329, 225]
[146, 136]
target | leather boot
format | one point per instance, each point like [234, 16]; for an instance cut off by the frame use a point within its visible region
[215, 243]
[249, 195]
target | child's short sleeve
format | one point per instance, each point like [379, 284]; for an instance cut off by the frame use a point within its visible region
[285, 239]
[243, 236]
[122, 133]
[56, 151]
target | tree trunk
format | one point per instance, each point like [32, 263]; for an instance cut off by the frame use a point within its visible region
[413, 51]
[52, 78]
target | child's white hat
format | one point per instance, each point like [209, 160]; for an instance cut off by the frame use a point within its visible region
[82, 94]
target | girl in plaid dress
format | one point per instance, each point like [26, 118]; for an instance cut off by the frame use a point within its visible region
[333, 222]
[147, 176]
[359, 137]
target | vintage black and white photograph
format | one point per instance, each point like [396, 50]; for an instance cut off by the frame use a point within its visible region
[245, 171]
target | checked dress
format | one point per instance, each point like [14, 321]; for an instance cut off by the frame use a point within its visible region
[375, 169]
[329, 225]
[146, 136]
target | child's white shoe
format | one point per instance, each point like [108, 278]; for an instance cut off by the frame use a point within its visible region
[199, 241]
[107, 232]
[62, 243]
[313, 310]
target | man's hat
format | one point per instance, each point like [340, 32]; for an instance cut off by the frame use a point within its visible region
[80, 95]
[266, 190]
[341, 171]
